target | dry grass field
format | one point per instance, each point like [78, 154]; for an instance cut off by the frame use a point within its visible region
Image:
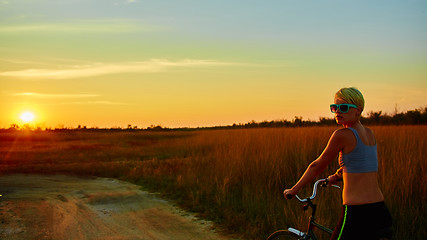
[233, 177]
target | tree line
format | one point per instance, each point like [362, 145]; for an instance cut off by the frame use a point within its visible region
[412, 117]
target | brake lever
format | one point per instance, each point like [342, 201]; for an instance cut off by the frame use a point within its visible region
[325, 184]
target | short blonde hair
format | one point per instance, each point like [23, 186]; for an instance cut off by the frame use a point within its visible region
[351, 95]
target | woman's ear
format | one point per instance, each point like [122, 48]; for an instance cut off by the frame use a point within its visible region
[359, 111]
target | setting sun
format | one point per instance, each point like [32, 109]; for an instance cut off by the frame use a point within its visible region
[27, 117]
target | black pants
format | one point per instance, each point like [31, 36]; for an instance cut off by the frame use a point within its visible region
[362, 222]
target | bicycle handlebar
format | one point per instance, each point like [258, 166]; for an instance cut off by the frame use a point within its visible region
[313, 195]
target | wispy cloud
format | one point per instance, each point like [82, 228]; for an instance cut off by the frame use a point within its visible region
[125, 2]
[95, 103]
[65, 99]
[82, 26]
[55, 103]
[96, 69]
[51, 96]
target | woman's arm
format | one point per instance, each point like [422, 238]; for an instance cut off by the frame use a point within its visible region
[335, 145]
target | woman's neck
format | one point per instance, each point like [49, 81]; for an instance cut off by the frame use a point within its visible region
[355, 124]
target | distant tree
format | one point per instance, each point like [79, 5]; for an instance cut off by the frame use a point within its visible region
[414, 117]
[81, 127]
[27, 127]
[374, 117]
[326, 121]
[156, 128]
[14, 126]
[298, 121]
[424, 116]
[398, 119]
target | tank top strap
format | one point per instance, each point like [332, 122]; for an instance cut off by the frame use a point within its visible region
[356, 134]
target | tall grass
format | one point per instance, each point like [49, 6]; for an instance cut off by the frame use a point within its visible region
[234, 177]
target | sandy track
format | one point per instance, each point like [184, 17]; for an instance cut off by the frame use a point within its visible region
[64, 207]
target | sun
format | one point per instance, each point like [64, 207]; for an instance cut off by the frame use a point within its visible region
[27, 116]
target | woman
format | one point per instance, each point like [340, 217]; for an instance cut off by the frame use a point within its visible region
[364, 212]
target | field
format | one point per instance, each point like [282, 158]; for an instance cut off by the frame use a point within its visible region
[233, 177]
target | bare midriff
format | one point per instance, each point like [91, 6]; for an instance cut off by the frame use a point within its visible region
[361, 188]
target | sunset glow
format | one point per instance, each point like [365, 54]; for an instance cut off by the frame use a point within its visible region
[27, 117]
[206, 63]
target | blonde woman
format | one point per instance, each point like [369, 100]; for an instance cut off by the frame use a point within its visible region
[364, 212]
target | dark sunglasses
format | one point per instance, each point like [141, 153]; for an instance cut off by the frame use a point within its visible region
[342, 107]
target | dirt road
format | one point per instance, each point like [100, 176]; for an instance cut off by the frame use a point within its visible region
[64, 207]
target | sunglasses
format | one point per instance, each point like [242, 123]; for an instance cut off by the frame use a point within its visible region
[342, 107]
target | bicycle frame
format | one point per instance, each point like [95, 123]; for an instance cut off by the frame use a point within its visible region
[312, 223]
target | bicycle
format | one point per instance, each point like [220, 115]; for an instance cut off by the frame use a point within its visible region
[292, 233]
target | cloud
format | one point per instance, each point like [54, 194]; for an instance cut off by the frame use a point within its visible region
[65, 98]
[97, 69]
[125, 2]
[88, 103]
[82, 26]
[98, 103]
[50, 96]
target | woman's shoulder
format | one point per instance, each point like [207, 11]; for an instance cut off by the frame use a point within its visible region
[343, 133]
[369, 131]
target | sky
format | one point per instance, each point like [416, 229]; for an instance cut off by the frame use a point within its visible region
[199, 63]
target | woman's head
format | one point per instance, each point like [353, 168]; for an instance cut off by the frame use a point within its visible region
[351, 95]
[353, 99]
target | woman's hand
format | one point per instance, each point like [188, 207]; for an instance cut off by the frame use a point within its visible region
[333, 179]
[289, 193]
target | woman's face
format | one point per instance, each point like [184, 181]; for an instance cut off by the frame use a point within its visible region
[348, 118]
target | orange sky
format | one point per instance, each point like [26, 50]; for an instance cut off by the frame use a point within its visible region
[188, 64]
